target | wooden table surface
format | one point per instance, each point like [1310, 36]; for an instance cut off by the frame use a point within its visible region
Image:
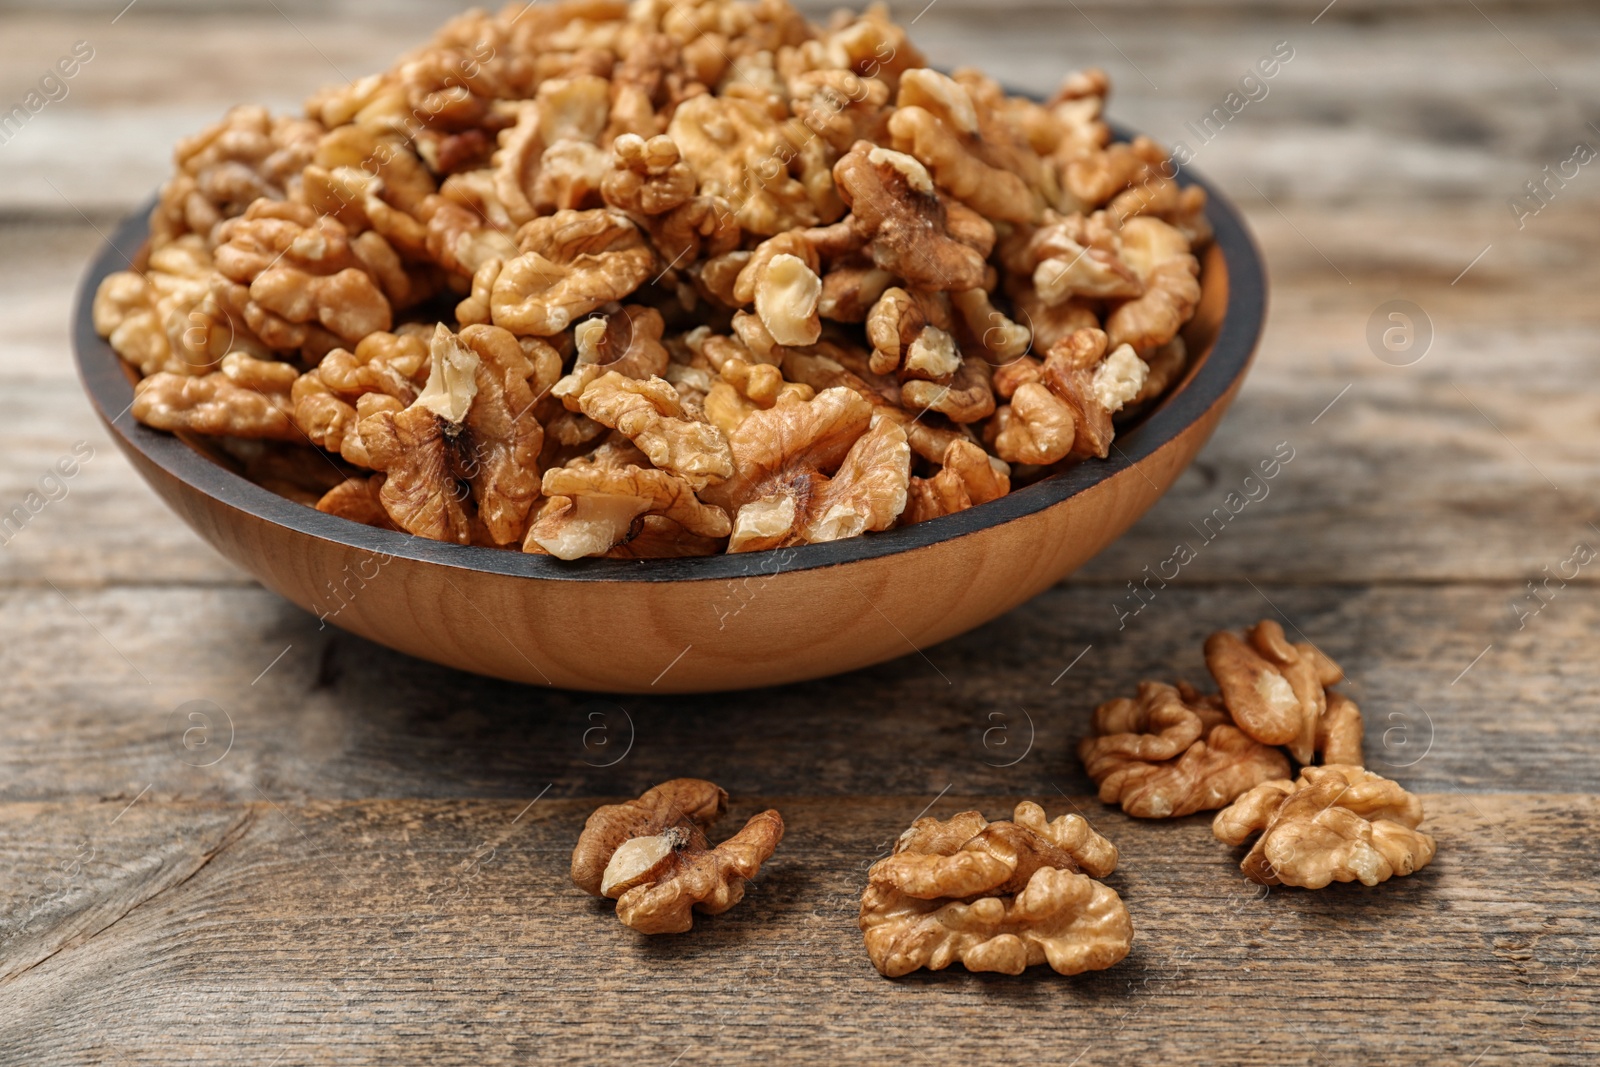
[367, 861]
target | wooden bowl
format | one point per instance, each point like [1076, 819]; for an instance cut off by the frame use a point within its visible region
[696, 625]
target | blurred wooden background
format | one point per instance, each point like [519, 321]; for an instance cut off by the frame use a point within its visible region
[360, 875]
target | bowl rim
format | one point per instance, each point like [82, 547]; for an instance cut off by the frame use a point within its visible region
[111, 393]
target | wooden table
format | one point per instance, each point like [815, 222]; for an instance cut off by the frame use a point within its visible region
[370, 865]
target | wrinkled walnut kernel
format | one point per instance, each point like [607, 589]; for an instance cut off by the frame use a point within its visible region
[999, 896]
[1171, 753]
[1336, 823]
[651, 856]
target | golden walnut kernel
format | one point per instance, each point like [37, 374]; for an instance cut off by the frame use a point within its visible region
[302, 281]
[1171, 753]
[999, 896]
[898, 216]
[1335, 823]
[246, 398]
[572, 263]
[464, 456]
[1277, 693]
[652, 857]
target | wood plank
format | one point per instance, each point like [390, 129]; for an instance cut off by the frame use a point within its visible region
[447, 932]
[95, 684]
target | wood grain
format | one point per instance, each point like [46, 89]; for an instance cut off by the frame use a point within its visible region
[449, 930]
[351, 882]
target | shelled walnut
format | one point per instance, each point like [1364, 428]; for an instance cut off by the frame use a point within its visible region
[1278, 693]
[1000, 896]
[1172, 752]
[718, 199]
[1334, 823]
[652, 857]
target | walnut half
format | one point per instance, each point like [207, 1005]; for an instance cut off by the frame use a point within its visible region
[652, 857]
[1000, 896]
[1334, 823]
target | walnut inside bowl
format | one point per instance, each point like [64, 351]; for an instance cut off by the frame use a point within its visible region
[825, 366]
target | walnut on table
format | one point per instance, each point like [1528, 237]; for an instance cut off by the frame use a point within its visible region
[1278, 693]
[652, 857]
[999, 896]
[1172, 752]
[1335, 823]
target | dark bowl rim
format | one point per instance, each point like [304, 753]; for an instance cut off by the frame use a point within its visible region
[110, 390]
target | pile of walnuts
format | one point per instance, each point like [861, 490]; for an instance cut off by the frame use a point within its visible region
[661, 278]
[1172, 752]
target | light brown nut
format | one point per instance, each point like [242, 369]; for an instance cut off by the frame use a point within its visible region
[463, 238]
[790, 442]
[787, 292]
[1037, 428]
[1336, 823]
[570, 177]
[946, 896]
[246, 157]
[1276, 691]
[300, 272]
[869, 490]
[650, 413]
[246, 398]
[841, 107]
[849, 292]
[1166, 365]
[738, 151]
[903, 222]
[1166, 755]
[910, 334]
[647, 177]
[868, 493]
[627, 341]
[326, 398]
[1094, 385]
[1339, 731]
[871, 45]
[165, 318]
[593, 509]
[1051, 325]
[572, 263]
[651, 856]
[1160, 256]
[1067, 920]
[968, 477]
[357, 499]
[966, 397]
[469, 437]
[687, 803]
[933, 132]
[1097, 176]
[705, 226]
[983, 326]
